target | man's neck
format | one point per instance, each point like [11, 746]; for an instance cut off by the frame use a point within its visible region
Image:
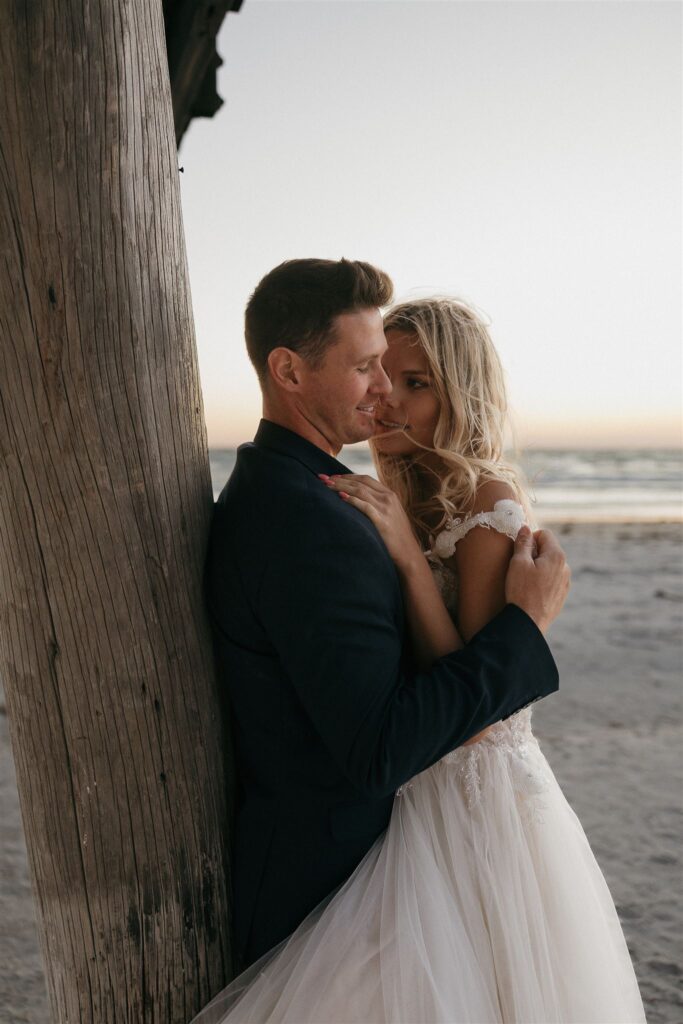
[297, 422]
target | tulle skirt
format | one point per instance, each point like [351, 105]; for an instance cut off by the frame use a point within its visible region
[482, 903]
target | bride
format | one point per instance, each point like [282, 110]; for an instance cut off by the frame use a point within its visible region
[482, 902]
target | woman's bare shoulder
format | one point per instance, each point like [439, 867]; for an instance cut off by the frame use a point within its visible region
[486, 532]
[489, 493]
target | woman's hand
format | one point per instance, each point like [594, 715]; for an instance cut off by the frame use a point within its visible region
[431, 627]
[382, 507]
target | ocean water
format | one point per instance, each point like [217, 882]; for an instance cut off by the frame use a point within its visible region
[567, 485]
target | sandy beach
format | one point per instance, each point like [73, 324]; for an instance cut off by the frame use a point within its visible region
[613, 736]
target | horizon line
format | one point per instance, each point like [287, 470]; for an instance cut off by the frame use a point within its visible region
[532, 445]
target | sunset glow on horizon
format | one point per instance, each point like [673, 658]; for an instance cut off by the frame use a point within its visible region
[232, 429]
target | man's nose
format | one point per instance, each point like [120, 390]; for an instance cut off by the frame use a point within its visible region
[381, 384]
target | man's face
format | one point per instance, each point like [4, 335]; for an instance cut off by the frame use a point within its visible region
[339, 398]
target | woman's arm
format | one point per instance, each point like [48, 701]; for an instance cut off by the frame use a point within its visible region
[431, 627]
[481, 560]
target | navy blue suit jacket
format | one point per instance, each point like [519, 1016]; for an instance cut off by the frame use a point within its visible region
[329, 715]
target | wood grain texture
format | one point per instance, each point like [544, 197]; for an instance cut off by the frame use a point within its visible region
[105, 501]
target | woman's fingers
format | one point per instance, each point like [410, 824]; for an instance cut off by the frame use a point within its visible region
[376, 502]
[361, 478]
[366, 507]
[383, 509]
[351, 484]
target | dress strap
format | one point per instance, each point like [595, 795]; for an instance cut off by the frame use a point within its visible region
[506, 517]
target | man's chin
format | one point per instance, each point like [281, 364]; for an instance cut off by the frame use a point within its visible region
[358, 432]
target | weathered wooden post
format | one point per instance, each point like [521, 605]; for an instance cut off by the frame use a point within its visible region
[105, 500]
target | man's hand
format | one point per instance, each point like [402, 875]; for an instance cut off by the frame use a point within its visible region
[538, 578]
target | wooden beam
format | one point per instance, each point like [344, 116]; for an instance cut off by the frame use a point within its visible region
[191, 30]
[105, 505]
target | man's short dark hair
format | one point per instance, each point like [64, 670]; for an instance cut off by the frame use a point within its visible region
[295, 306]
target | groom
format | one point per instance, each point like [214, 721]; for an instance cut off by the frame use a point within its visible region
[329, 714]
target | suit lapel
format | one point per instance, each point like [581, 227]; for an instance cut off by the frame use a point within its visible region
[286, 442]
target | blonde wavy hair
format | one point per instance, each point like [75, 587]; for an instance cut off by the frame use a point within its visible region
[468, 379]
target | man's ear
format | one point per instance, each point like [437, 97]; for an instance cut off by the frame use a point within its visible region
[283, 367]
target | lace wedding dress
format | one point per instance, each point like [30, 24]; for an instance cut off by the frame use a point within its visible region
[481, 903]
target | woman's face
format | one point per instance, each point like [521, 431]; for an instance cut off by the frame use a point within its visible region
[408, 416]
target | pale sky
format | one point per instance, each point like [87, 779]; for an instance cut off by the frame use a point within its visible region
[523, 156]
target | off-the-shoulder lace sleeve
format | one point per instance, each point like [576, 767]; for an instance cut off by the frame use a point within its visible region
[506, 517]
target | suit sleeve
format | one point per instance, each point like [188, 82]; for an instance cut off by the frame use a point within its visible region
[328, 604]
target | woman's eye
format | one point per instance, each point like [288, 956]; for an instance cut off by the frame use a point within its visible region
[416, 384]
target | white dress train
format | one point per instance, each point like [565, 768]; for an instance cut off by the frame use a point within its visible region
[481, 904]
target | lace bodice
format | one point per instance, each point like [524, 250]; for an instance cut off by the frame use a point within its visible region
[514, 734]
